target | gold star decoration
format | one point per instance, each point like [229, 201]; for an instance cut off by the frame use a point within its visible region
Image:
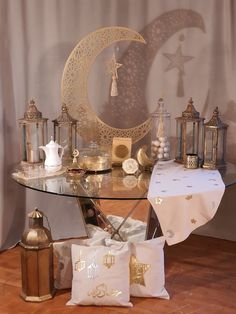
[113, 66]
[177, 60]
[193, 221]
[137, 271]
[158, 200]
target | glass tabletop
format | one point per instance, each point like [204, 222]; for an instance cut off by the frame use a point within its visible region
[112, 185]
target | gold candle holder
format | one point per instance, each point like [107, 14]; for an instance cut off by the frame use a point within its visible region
[191, 161]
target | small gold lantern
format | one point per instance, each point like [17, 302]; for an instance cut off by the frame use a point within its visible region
[65, 131]
[33, 133]
[36, 260]
[109, 260]
[189, 133]
[215, 132]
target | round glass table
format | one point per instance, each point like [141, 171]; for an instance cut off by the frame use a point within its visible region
[90, 189]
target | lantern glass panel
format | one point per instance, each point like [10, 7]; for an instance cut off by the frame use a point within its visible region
[179, 130]
[209, 142]
[63, 136]
[32, 136]
[220, 147]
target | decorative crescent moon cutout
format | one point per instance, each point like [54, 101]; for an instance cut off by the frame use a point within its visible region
[74, 83]
[131, 87]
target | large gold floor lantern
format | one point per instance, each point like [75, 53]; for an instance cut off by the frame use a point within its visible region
[214, 142]
[189, 134]
[37, 260]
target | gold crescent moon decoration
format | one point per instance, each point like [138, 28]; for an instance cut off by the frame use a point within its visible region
[74, 84]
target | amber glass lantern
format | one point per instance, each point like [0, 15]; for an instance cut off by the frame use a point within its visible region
[214, 142]
[189, 129]
[37, 260]
[33, 133]
[65, 130]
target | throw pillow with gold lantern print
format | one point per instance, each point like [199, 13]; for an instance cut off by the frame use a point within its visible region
[100, 275]
[62, 253]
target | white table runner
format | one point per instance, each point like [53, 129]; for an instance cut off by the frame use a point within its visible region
[183, 199]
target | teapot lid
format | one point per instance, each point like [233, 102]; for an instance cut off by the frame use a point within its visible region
[53, 144]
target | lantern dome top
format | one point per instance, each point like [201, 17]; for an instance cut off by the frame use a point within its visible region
[35, 214]
[32, 112]
[215, 120]
[64, 117]
[190, 111]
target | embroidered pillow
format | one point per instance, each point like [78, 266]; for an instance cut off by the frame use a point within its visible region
[62, 252]
[100, 275]
[147, 273]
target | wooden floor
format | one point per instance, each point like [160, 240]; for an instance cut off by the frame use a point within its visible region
[200, 278]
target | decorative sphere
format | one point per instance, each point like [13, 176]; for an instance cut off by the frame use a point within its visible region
[166, 155]
[160, 150]
[163, 144]
[163, 139]
[160, 156]
[156, 143]
[166, 149]
[154, 148]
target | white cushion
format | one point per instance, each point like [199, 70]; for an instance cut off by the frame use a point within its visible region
[62, 252]
[147, 273]
[100, 275]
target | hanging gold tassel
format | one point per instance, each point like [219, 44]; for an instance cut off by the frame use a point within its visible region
[114, 89]
[113, 66]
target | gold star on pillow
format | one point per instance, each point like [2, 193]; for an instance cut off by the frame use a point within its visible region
[137, 271]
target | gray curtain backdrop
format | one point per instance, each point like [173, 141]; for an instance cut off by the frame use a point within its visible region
[36, 40]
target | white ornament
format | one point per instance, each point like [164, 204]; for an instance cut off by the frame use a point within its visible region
[166, 155]
[163, 139]
[156, 143]
[160, 150]
[130, 166]
[162, 144]
[160, 156]
[166, 149]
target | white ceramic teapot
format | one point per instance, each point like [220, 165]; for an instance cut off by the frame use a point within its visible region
[54, 153]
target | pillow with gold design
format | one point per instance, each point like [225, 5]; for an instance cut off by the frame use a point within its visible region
[100, 275]
[62, 253]
[147, 273]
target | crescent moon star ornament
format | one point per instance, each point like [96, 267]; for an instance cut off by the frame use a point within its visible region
[74, 84]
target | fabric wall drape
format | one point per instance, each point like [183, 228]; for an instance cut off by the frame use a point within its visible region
[36, 40]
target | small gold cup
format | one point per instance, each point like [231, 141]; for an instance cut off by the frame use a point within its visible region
[191, 161]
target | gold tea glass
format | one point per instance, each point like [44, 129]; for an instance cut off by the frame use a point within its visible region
[191, 161]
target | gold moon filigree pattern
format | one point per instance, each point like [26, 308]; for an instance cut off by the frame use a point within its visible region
[74, 84]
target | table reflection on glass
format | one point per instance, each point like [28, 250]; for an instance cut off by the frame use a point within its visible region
[90, 189]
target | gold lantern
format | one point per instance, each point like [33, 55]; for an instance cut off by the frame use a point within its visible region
[214, 142]
[36, 260]
[33, 133]
[189, 133]
[65, 130]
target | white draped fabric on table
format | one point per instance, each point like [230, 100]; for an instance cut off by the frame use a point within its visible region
[184, 199]
[195, 59]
